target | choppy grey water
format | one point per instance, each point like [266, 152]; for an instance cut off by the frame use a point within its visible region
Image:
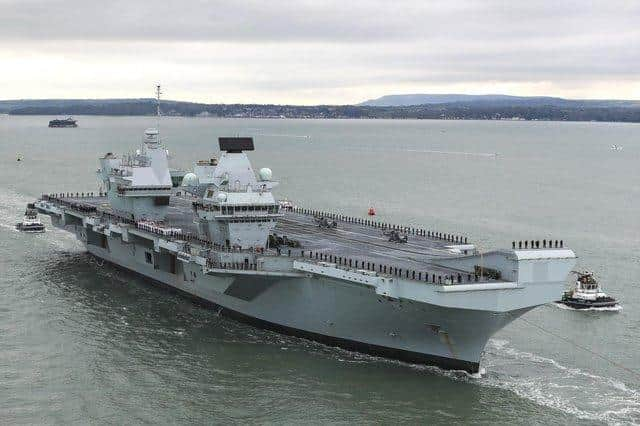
[84, 343]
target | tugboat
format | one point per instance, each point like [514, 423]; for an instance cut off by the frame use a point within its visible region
[67, 122]
[30, 223]
[587, 294]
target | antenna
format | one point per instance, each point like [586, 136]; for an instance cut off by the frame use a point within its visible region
[158, 93]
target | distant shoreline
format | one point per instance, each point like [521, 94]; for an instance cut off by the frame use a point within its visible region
[505, 120]
[516, 110]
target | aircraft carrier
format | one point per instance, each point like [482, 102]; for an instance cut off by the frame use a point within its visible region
[407, 293]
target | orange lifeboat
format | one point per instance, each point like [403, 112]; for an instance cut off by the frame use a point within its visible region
[371, 212]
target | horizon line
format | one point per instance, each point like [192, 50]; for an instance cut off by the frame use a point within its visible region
[320, 104]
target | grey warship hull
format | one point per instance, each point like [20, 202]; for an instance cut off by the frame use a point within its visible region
[391, 314]
[398, 291]
[330, 312]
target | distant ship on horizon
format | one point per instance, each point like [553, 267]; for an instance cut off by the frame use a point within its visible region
[67, 122]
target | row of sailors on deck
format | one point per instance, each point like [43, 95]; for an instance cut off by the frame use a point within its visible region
[157, 229]
[536, 244]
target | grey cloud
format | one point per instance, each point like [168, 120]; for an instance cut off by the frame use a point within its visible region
[281, 46]
[295, 21]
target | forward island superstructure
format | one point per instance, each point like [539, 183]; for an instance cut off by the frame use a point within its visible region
[222, 237]
[139, 185]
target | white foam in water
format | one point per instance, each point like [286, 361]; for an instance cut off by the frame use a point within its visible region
[616, 308]
[570, 390]
[9, 227]
[12, 206]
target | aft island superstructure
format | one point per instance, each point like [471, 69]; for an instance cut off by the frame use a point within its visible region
[400, 292]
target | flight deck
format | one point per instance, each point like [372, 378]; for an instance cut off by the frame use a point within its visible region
[353, 242]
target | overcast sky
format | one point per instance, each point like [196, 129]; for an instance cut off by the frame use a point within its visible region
[311, 52]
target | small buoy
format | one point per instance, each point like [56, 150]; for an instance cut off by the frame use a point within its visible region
[371, 212]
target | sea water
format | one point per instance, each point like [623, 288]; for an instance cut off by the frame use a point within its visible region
[82, 342]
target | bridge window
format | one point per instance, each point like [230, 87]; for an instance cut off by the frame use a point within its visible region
[147, 257]
[161, 201]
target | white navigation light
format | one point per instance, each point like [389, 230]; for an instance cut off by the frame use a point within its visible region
[265, 173]
[222, 197]
[190, 179]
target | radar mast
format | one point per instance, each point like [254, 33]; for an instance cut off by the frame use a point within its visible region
[158, 93]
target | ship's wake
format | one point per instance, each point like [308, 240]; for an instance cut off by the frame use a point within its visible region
[462, 153]
[8, 227]
[568, 389]
[549, 383]
[12, 207]
[536, 378]
[491, 155]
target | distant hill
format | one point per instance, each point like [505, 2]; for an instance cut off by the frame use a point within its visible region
[7, 106]
[446, 107]
[422, 99]
[495, 100]
[99, 107]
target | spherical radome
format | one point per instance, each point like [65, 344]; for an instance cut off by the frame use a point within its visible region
[222, 197]
[190, 179]
[265, 173]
